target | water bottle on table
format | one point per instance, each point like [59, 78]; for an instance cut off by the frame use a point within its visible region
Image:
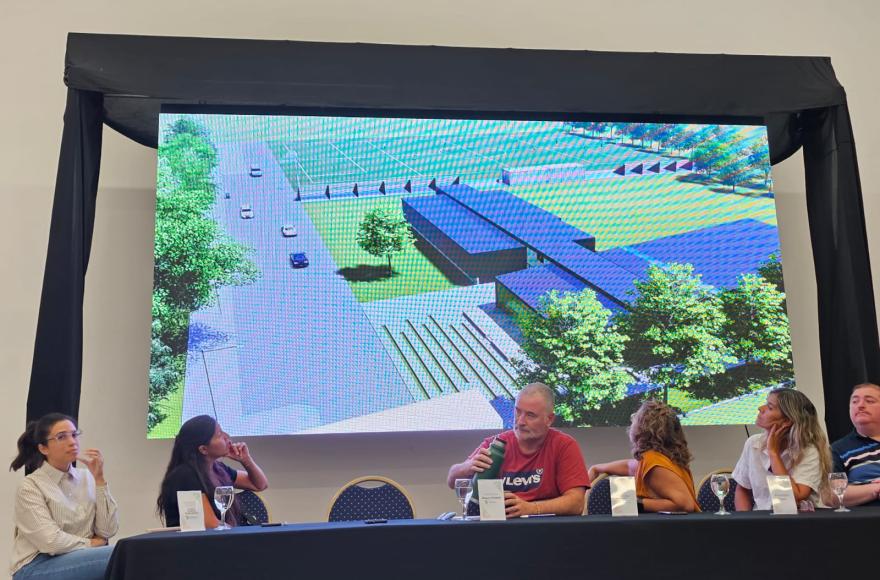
[496, 452]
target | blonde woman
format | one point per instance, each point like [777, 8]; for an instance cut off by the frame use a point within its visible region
[661, 461]
[792, 444]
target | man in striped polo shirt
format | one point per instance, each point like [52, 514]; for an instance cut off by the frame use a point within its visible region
[858, 454]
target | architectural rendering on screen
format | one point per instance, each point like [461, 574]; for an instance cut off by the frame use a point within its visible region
[351, 274]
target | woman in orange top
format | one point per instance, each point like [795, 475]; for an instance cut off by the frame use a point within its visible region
[661, 459]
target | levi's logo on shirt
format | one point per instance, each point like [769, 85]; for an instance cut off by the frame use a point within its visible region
[523, 480]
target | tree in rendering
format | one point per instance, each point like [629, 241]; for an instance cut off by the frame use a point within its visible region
[732, 157]
[190, 158]
[759, 157]
[574, 349]
[771, 270]
[163, 376]
[756, 326]
[688, 141]
[193, 255]
[675, 328]
[737, 172]
[384, 232]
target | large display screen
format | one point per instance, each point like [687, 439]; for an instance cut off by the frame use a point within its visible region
[318, 274]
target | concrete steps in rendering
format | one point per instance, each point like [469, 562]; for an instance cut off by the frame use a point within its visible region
[442, 356]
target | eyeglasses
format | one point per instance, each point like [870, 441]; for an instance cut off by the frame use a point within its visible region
[63, 436]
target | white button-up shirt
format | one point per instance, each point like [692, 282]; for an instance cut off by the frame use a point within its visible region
[57, 512]
[753, 467]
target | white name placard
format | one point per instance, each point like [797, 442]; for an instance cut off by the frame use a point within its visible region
[623, 496]
[781, 494]
[192, 511]
[491, 499]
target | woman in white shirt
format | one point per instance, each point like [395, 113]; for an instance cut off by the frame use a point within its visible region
[63, 515]
[792, 444]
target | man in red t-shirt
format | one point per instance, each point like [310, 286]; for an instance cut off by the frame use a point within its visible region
[543, 469]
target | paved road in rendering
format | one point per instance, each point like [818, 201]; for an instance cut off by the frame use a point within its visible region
[304, 352]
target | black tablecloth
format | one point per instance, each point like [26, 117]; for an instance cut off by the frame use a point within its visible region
[822, 545]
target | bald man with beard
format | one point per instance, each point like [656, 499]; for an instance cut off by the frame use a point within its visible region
[543, 469]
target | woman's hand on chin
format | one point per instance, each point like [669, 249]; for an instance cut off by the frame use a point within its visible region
[239, 452]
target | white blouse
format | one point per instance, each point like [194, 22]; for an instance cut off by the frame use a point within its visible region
[753, 467]
[58, 512]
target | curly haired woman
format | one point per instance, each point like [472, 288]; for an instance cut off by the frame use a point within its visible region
[660, 463]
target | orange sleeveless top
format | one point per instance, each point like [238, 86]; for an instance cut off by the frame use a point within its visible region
[652, 459]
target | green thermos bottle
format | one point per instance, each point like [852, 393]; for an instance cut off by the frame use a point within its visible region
[496, 452]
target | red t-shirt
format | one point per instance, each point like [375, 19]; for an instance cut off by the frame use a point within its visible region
[546, 474]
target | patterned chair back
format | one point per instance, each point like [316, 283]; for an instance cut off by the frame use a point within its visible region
[709, 501]
[253, 508]
[371, 497]
[599, 498]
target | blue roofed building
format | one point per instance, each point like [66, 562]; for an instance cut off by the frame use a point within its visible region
[524, 221]
[718, 253]
[486, 234]
[529, 286]
[551, 238]
[460, 242]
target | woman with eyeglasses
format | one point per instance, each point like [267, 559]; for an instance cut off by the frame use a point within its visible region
[195, 466]
[64, 515]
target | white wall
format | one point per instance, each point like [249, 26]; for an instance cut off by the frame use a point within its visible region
[306, 471]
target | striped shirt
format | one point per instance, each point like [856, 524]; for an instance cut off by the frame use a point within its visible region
[58, 512]
[859, 457]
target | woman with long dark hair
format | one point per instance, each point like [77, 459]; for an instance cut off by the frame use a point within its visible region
[661, 461]
[195, 466]
[64, 515]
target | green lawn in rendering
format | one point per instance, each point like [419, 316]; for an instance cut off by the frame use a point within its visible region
[741, 410]
[337, 222]
[173, 407]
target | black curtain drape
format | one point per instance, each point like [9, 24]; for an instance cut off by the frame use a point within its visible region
[847, 315]
[122, 81]
[57, 366]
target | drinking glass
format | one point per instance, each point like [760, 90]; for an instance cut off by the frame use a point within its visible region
[463, 489]
[224, 495]
[720, 486]
[838, 482]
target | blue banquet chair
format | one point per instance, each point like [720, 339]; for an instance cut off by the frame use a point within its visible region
[371, 497]
[708, 501]
[253, 508]
[599, 496]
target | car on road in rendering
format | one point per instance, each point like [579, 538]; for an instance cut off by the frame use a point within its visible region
[288, 231]
[299, 260]
[247, 213]
[256, 172]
